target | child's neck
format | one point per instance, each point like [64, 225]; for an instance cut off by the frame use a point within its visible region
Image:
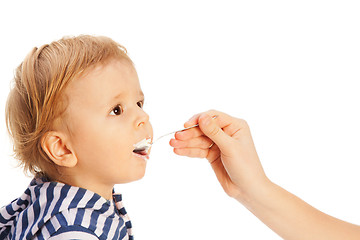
[103, 190]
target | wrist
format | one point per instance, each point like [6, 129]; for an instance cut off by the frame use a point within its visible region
[253, 193]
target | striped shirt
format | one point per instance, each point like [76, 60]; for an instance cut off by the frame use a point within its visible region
[53, 210]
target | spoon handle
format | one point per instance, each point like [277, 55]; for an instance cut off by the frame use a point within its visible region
[194, 126]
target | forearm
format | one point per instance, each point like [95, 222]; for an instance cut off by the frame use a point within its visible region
[294, 219]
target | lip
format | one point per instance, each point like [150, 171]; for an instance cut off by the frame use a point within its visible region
[144, 157]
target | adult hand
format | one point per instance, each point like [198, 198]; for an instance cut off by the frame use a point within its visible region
[238, 169]
[227, 144]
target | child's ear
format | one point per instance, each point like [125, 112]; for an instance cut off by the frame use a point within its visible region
[58, 150]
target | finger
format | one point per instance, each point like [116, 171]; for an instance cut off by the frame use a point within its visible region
[222, 119]
[211, 129]
[188, 134]
[226, 122]
[195, 119]
[198, 142]
[192, 152]
[212, 152]
[192, 121]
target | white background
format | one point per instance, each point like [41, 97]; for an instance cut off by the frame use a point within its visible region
[290, 68]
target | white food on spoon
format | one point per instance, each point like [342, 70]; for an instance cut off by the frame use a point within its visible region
[143, 146]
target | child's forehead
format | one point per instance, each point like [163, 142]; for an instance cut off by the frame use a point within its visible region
[115, 78]
[103, 67]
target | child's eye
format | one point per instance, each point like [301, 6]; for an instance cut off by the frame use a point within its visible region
[140, 104]
[117, 110]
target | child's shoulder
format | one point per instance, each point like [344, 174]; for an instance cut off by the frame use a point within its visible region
[48, 209]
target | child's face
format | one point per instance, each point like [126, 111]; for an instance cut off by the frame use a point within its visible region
[106, 119]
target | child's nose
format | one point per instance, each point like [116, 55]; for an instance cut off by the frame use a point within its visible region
[142, 119]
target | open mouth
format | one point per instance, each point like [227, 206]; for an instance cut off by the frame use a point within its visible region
[140, 151]
[142, 148]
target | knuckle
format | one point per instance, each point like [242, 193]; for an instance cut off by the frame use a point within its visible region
[211, 112]
[205, 141]
[214, 131]
[202, 153]
[196, 153]
[243, 123]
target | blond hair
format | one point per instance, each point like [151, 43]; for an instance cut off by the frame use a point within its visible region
[36, 100]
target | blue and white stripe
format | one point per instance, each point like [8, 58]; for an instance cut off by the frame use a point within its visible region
[52, 210]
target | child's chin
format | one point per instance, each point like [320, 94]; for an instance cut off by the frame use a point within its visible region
[141, 174]
[137, 175]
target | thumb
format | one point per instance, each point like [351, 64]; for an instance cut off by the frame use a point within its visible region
[209, 127]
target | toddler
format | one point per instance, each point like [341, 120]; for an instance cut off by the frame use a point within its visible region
[74, 114]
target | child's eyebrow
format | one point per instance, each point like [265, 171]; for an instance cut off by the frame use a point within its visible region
[121, 95]
[118, 96]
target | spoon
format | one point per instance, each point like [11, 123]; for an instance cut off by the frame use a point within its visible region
[145, 144]
[181, 130]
